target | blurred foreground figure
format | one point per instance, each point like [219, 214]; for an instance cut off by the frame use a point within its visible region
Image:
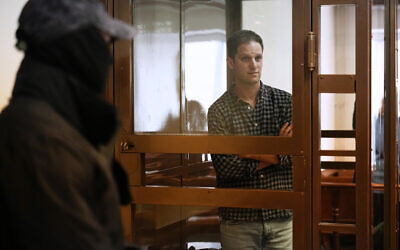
[57, 174]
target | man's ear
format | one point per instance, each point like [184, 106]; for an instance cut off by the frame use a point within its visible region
[230, 63]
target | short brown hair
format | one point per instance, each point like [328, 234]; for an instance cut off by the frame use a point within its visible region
[240, 37]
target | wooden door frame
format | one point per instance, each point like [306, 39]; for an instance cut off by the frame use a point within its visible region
[131, 147]
[390, 127]
[360, 85]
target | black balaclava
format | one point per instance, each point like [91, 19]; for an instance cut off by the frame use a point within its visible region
[82, 53]
[69, 73]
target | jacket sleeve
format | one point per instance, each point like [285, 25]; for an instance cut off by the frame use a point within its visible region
[228, 166]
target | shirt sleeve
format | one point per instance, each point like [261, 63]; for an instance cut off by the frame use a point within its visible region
[285, 112]
[228, 166]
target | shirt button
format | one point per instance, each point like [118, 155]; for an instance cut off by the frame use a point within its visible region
[248, 107]
[261, 176]
[256, 124]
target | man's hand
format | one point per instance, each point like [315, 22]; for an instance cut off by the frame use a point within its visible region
[269, 159]
[286, 130]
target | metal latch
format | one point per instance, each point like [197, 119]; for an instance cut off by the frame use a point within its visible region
[125, 146]
[311, 51]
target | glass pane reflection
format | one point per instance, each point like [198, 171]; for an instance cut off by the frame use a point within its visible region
[181, 227]
[194, 170]
[179, 64]
[204, 59]
[156, 66]
[176, 227]
[218, 170]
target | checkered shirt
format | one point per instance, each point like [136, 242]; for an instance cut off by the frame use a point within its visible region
[231, 116]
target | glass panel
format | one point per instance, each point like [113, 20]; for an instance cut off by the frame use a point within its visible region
[201, 170]
[253, 171]
[180, 227]
[272, 20]
[338, 143]
[377, 119]
[337, 44]
[156, 70]
[340, 158]
[204, 59]
[179, 170]
[337, 111]
[10, 58]
[176, 227]
[188, 78]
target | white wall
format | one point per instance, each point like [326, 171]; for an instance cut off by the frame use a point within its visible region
[272, 20]
[10, 58]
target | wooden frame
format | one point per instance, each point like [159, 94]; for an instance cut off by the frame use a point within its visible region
[360, 85]
[390, 128]
[130, 147]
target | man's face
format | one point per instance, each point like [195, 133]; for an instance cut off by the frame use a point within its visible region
[247, 63]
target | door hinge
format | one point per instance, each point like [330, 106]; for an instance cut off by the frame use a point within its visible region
[311, 51]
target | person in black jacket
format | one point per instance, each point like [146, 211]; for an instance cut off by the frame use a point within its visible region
[57, 173]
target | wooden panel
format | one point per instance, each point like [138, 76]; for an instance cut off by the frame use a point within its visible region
[336, 83]
[243, 198]
[337, 227]
[337, 153]
[338, 203]
[299, 173]
[338, 133]
[213, 144]
[363, 125]
[337, 165]
[336, 2]
[390, 127]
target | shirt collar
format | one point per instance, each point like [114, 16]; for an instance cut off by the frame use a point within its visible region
[233, 95]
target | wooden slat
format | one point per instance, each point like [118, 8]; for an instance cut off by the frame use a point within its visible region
[299, 173]
[338, 184]
[336, 2]
[336, 84]
[337, 227]
[217, 197]
[338, 133]
[213, 144]
[363, 125]
[338, 165]
[337, 152]
[390, 127]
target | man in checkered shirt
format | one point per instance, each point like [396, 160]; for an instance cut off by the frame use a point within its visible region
[250, 107]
